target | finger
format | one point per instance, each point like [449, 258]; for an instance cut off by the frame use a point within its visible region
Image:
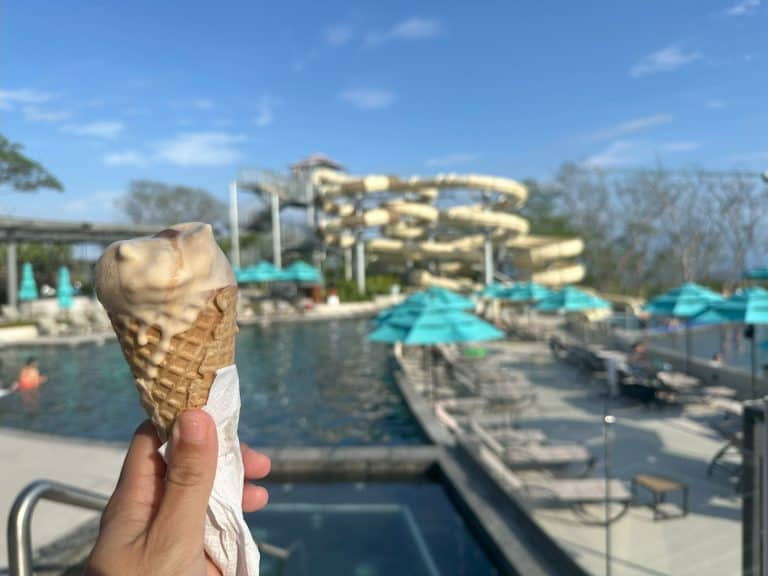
[139, 487]
[255, 464]
[189, 480]
[254, 497]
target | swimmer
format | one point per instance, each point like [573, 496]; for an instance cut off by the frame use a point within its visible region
[29, 377]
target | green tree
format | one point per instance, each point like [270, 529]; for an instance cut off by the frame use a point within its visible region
[22, 173]
[149, 202]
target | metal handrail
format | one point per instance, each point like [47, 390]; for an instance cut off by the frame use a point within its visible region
[20, 518]
[20, 521]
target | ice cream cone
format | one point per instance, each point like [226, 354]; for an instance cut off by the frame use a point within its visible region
[185, 373]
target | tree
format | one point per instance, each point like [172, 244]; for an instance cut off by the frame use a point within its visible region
[21, 173]
[149, 202]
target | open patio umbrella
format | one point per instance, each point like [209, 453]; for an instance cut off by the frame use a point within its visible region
[431, 325]
[685, 302]
[432, 298]
[64, 290]
[493, 290]
[748, 307]
[525, 292]
[570, 299]
[757, 274]
[28, 288]
[262, 272]
[300, 271]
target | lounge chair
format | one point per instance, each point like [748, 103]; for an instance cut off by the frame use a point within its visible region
[586, 497]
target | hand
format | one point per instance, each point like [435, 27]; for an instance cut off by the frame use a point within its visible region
[155, 520]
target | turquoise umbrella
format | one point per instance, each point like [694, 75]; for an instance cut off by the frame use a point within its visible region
[526, 292]
[432, 297]
[262, 272]
[64, 290]
[28, 288]
[686, 301]
[434, 326]
[571, 299]
[493, 290]
[757, 274]
[748, 307]
[302, 272]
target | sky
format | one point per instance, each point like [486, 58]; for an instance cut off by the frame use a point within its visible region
[193, 93]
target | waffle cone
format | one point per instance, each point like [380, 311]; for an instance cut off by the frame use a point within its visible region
[184, 377]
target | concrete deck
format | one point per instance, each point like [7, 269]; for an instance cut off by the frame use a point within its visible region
[675, 441]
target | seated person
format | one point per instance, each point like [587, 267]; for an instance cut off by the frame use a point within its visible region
[639, 361]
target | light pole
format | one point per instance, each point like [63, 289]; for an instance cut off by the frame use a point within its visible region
[608, 421]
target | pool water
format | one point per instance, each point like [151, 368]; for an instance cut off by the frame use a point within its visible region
[367, 529]
[315, 383]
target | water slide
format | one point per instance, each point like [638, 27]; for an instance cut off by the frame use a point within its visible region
[412, 228]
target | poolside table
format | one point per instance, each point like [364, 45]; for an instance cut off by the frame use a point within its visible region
[659, 487]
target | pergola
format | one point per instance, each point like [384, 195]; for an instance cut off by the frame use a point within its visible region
[15, 230]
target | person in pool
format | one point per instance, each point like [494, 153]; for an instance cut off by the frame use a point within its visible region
[29, 376]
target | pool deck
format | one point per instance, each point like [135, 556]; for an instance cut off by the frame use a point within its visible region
[676, 442]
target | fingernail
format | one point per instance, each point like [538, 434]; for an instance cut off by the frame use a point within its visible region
[192, 427]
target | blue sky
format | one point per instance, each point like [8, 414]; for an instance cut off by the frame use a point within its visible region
[193, 92]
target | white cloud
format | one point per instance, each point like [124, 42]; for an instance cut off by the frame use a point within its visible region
[203, 104]
[338, 35]
[368, 99]
[716, 104]
[630, 127]
[197, 103]
[410, 29]
[201, 149]
[125, 158]
[451, 159]
[265, 113]
[9, 98]
[680, 146]
[743, 8]
[137, 111]
[667, 59]
[35, 114]
[620, 152]
[416, 28]
[106, 130]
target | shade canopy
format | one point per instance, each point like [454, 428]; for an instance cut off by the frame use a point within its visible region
[571, 299]
[494, 290]
[300, 271]
[430, 326]
[28, 288]
[757, 274]
[432, 298]
[64, 290]
[526, 292]
[262, 272]
[685, 301]
[749, 306]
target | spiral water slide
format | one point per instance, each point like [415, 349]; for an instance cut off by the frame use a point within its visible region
[407, 226]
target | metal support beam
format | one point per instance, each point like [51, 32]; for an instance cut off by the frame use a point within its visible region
[488, 265]
[11, 274]
[234, 225]
[348, 264]
[276, 247]
[360, 263]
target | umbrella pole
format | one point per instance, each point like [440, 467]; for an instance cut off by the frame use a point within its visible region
[687, 347]
[753, 347]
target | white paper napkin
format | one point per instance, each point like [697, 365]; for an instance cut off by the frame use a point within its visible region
[228, 540]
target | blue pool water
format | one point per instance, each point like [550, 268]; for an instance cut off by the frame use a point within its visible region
[367, 530]
[312, 383]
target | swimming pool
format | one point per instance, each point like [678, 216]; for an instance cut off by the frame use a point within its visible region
[367, 529]
[314, 383]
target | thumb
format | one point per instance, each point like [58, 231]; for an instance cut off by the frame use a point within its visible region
[189, 479]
